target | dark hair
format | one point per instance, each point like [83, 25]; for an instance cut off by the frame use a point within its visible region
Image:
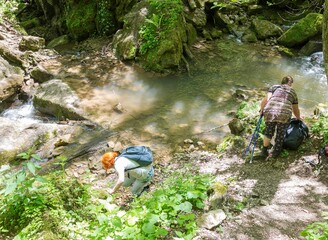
[287, 80]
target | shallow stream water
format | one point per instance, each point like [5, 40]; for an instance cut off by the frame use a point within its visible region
[196, 105]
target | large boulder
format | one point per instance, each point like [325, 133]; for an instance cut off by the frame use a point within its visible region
[81, 20]
[266, 29]
[19, 136]
[11, 79]
[302, 31]
[125, 41]
[31, 43]
[56, 98]
[153, 37]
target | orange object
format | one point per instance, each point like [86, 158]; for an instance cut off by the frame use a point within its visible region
[108, 159]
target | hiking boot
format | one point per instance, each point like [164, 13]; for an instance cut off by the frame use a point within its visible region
[264, 152]
[145, 189]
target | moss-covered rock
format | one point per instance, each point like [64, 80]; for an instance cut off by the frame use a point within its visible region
[266, 29]
[168, 53]
[81, 19]
[302, 31]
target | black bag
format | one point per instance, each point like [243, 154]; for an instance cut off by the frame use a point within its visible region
[141, 154]
[295, 133]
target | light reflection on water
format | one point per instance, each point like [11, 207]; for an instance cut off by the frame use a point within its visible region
[173, 108]
[181, 107]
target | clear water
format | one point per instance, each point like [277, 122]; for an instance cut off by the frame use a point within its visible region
[173, 108]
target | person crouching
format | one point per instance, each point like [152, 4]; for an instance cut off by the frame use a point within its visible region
[130, 173]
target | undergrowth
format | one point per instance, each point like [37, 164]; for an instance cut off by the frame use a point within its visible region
[56, 206]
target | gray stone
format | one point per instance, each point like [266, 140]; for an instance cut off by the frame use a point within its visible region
[58, 99]
[211, 219]
[31, 43]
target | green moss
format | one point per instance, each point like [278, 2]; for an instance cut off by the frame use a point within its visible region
[307, 27]
[219, 189]
[105, 19]
[162, 36]
[7, 156]
[81, 19]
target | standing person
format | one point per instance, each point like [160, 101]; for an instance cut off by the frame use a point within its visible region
[277, 108]
[130, 173]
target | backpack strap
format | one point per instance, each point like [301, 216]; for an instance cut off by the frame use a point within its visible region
[125, 170]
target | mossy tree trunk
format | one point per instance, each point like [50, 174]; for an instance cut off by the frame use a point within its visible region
[325, 37]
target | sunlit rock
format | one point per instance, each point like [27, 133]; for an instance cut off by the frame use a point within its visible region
[11, 79]
[31, 43]
[59, 100]
[211, 219]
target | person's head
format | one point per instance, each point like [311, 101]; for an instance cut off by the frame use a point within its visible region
[108, 160]
[287, 80]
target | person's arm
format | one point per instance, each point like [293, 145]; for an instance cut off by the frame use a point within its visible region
[120, 180]
[296, 111]
[264, 102]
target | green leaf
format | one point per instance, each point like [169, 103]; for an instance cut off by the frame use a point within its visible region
[41, 179]
[148, 228]
[178, 233]
[116, 221]
[36, 157]
[20, 177]
[11, 187]
[31, 167]
[162, 232]
[191, 195]
[23, 155]
[153, 218]
[185, 206]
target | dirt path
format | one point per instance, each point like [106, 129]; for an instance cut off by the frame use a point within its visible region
[280, 198]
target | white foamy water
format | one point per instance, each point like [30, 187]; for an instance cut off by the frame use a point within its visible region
[24, 112]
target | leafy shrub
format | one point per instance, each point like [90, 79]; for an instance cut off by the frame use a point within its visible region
[316, 230]
[32, 207]
[320, 128]
[21, 200]
[167, 213]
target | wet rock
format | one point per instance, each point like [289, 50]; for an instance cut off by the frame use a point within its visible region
[118, 108]
[18, 136]
[59, 100]
[40, 74]
[311, 47]
[236, 126]
[58, 42]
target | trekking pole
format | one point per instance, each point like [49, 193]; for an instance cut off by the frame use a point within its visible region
[254, 139]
